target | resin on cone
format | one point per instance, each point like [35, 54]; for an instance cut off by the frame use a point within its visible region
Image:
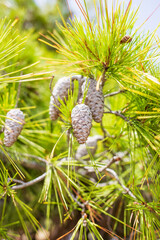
[81, 122]
[13, 126]
[94, 99]
[60, 90]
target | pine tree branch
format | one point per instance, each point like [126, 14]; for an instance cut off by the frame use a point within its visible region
[105, 133]
[35, 157]
[30, 183]
[32, 164]
[119, 114]
[114, 93]
[118, 180]
[28, 163]
[109, 163]
[114, 174]
[15, 180]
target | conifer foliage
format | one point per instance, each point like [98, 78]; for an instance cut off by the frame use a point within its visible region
[91, 169]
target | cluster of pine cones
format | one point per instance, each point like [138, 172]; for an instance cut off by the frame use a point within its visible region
[83, 113]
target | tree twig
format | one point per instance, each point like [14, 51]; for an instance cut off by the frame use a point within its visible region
[119, 114]
[16, 180]
[32, 164]
[105, 133]
[30, 183]
[28, 163]
[35, 157]
[114, 174]
[114, 93]
[109, 163]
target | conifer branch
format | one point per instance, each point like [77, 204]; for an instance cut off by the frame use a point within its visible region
[32, 164]
[105, 132]
[30, 183]
[118, 180]
[34, 157]
[114, 174]
[119, 114]
[114, 93]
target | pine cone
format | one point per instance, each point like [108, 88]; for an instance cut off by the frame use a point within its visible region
[81, 122]
[53, 110]
[126, 39]
[13, 126]
[90, 147]
[60, 91]
[94, 99]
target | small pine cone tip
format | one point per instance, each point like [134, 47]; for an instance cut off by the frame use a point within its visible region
[13, 126]
[81, 122]
[94, 99]
[126, 39]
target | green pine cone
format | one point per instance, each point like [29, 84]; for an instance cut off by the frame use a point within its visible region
[94, 99]
[81, 122]
[13, 126]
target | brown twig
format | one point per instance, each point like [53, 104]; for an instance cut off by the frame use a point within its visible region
[114, 174]
[114, 93]
[105, 133]
[109, 163]
[15, 180]
[32, 164]
[35, 157]
[119, 114]
[30, 183]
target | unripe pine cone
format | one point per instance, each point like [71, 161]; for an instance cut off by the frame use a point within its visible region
[94, 99]
[81, 122]
[60, 90]
[13, 126]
